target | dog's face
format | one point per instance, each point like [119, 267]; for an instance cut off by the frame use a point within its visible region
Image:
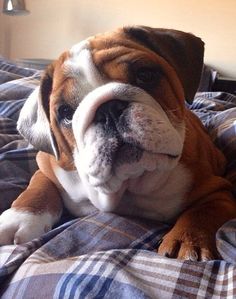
[113, 106]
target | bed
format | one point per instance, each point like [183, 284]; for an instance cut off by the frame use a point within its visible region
[105, 255]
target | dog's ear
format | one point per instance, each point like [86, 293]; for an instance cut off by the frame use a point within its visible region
[34, 119]
[183, 51]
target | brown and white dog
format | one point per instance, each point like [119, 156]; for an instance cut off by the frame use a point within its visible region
[110, 121]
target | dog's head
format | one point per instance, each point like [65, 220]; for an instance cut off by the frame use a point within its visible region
[113, 106]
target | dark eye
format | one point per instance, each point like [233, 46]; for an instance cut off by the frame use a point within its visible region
[65, 114]
[147, 76]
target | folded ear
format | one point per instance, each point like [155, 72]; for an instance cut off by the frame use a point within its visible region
[34, 119]
[183, 51]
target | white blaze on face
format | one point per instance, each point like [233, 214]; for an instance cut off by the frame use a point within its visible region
[147, 139]
[80, 66]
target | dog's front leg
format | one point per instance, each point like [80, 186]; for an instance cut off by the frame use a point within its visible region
[193, 235]
[33, 213]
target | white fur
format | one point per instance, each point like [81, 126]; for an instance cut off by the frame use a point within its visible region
[34, 125]
[38, 119]
[19, 226]
[75, 196]
[78, 196]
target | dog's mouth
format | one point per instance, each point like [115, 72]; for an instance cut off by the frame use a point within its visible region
[130, 151]
[111, 159]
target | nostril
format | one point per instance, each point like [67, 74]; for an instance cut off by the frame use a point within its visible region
[117, 107]
[100, 117]
[110, 110]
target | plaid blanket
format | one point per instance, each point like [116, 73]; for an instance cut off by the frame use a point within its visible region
[105, 255]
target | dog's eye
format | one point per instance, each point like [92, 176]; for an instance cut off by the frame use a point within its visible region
[65, 114]
[147, 76]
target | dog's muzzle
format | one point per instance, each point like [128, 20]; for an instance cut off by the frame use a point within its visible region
[121, 132]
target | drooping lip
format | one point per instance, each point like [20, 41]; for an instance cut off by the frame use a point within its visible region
[137, 146]
[116, 164]
[170, 156]
[138, 149]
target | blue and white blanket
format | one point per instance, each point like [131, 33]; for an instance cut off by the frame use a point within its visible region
[104, 255]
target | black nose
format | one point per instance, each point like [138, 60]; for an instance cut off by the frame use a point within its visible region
[109, 112]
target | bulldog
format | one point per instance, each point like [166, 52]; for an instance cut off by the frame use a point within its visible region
[113, 133]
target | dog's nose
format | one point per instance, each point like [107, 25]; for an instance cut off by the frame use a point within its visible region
[110, 111]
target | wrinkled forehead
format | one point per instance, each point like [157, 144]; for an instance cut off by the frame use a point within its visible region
[90, 59]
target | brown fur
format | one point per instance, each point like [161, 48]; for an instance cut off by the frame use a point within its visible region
[209, 203]
[40, 187]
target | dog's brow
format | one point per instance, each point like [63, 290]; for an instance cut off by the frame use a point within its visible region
[68, 96]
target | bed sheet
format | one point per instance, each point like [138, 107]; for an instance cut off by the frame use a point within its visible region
[105, 255]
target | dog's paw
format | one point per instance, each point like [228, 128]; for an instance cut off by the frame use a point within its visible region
[188, 245]
[18, 226]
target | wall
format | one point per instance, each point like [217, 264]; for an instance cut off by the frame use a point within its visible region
[55, 25]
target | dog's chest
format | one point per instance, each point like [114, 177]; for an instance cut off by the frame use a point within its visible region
[162, 199]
